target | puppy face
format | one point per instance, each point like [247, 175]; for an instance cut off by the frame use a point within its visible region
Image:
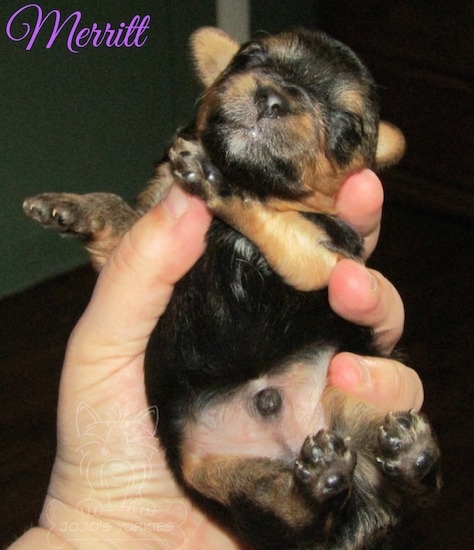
[289, 114]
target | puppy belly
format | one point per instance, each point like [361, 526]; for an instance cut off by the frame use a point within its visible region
[269, 417]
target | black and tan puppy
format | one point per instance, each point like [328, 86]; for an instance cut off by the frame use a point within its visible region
[237, 364]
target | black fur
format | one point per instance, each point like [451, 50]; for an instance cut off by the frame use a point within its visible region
[232, 319]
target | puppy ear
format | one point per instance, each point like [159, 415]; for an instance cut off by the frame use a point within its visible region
[390, 145]
[212, 50]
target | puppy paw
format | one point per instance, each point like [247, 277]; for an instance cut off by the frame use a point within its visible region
[61, 211]
[195, 171]
[325, 465]
[82, 215]
[408, 450]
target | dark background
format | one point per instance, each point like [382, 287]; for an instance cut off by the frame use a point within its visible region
[421, 54]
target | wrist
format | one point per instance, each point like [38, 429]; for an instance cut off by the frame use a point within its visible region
[39, 538]
[69, 527]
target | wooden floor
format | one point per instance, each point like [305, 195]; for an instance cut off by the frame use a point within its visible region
[34, 327]
[429, 257]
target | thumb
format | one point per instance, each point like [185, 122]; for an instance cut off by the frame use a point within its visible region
[135, 286]
[384, 383]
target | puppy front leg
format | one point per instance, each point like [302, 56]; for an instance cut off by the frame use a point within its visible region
[296, 248]
[99, 219]
[301, 251]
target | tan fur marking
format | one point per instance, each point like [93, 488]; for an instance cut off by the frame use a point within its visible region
[281, 46]
[269, 482]
[238, 88]
[390, 146]
[322, 180]
[291, 244]
[212, 51]
[352, 100]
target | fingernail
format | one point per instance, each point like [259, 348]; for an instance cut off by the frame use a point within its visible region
[176, 202]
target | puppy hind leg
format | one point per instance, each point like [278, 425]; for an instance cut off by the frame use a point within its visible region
[99, 219]
[397, 454]
[325, 467]
[267, 499]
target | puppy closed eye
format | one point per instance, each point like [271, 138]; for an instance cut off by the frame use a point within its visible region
[344, 135]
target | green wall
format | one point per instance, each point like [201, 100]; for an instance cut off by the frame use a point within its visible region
[94, 120]
[274, 16]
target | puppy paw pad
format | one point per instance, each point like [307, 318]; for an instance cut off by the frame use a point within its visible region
[325, 464]
[407, 446]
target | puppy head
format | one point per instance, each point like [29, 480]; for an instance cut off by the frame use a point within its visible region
[289, 114]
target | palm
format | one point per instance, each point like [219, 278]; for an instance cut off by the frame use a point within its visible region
[109, 453]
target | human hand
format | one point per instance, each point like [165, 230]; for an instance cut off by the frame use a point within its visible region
[363, 296]
[110, 482]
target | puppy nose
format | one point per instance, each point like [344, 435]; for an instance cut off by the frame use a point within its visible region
[270, 103]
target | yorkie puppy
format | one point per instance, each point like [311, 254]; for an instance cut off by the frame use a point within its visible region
[237, 364]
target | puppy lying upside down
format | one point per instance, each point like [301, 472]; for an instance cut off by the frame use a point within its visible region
[237, 364]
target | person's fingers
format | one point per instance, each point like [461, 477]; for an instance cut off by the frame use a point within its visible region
[384, 383]
[134, 287]
[364, 297]
[359, 203]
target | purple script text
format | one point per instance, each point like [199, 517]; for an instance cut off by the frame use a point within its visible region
[128, 35]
